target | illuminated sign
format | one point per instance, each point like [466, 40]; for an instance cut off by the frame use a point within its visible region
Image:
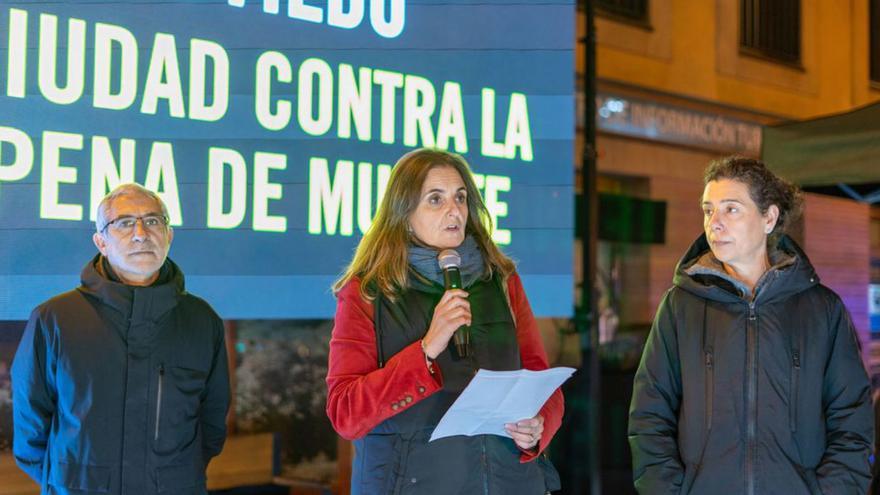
[644, 119]
[269, 129]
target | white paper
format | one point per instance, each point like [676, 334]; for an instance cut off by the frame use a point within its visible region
[494, 398]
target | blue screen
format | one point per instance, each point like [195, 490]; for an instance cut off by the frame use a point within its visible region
[269, 129]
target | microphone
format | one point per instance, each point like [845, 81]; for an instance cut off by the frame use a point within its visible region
[449, 261]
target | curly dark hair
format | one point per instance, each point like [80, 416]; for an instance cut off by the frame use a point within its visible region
[765, 189]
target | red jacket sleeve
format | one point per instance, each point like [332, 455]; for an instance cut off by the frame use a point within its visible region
[531, 350]
[360, 395]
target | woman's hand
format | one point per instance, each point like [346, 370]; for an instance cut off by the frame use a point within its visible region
[452, 312]
[526, 433]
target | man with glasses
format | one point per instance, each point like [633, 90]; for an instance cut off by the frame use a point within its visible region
[121, 386]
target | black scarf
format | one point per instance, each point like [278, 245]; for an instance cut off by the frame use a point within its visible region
[424, 260]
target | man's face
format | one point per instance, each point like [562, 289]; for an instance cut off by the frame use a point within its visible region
[135, 252]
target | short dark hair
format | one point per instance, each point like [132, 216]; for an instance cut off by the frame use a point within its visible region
[765, 189]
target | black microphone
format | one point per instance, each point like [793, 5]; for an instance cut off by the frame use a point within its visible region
[449, 261]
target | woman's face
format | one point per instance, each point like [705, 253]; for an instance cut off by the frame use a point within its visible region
[735, 228]
[440, 218]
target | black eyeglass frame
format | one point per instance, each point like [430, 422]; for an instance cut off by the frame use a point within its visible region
[165, 221]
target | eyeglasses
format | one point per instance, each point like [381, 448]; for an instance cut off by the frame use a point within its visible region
[125, 225]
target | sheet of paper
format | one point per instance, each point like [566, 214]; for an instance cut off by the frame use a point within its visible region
[494, 398]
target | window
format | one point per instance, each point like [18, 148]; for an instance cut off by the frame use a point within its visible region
[771, 28]
[874, 29]
[632, 10]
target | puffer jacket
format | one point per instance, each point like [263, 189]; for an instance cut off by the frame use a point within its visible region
[763, 394]
[120, 389]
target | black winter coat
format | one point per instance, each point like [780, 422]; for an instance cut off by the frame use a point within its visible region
[763, 395]
[120, 389]
[396, 458]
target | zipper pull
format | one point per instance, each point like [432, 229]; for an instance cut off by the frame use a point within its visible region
[752, 315]
[159, 400]
[709, 360]
[797, 359]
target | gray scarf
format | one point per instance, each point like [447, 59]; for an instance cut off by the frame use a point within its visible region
[424, 260]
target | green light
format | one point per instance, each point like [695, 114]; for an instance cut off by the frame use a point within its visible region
[106, 175]
[47, 62]
[451, 121]
[160, 170]
[219, 159]
[490, 186]
[308, 70]
[419, 101]
[488, 146]
[265, 190]
[365, 196]
[388, 83]
[497, 208]
[200, 51]
[106, 35]
[16, 64]
[518, 134]
[268, 62]
[53, 174]
[332, 202]
[24, 154]
[383, 175]
[355, 102]
[163, 78]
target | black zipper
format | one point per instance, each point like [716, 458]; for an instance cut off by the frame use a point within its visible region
[485, 462]
[793, 397]
[710, 389]
[751, 399]
[159, 400]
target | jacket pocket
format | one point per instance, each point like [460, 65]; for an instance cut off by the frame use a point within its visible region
[793, 391]
[177, 401]
[189, 380]
[170, 479]
[80, 477]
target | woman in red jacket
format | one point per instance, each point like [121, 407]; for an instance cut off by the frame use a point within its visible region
[392, 373]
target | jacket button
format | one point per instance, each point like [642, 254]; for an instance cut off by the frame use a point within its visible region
[394, 406]
[413, 480]
[402, 403]
[408, 399]
[421, 389]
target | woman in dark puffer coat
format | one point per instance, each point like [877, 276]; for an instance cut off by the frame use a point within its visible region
[751, 381]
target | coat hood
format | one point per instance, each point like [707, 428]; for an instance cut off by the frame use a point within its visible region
[135, 303]
[790, 274]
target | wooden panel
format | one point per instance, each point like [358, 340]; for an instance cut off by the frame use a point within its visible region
[245, 460]
[344, 454]
[13, 481]
[837, 241]
[675, 175]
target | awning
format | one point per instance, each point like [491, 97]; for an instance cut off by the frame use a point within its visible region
[842, 149]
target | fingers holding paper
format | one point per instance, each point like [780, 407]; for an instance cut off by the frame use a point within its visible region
[526, 433]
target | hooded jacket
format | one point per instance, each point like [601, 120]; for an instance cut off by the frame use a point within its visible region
[753, 394]
[120, 389]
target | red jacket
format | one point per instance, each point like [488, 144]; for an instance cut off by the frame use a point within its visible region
[359, 391]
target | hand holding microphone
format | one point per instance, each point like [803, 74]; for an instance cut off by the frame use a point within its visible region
[452, 315]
